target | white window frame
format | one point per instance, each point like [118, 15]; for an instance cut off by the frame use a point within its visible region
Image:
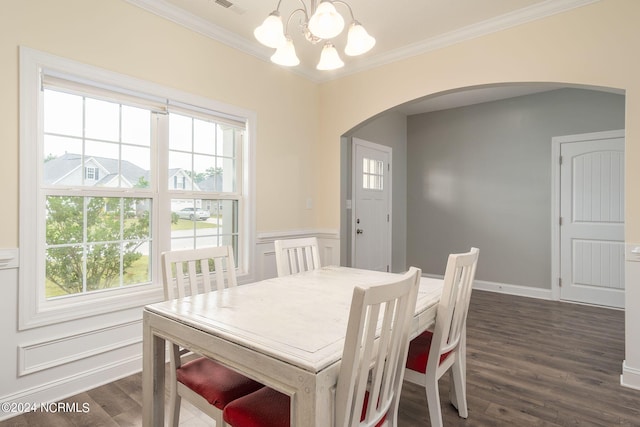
[34, 310]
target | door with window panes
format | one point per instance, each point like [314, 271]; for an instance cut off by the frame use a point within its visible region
[371, 227]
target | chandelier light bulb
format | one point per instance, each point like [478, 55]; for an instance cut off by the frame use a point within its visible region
[358, 40]
[322, 25]
[286, 54]
[271, 32]
[329, 58]
[326, 22]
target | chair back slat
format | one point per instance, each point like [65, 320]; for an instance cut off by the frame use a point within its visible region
[296, 255]
[188, 272]
[205, 274]
[375, 351]
[454, 303]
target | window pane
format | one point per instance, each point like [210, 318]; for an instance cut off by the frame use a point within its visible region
[105, 164]
[103, 266]
[96, 243]
[136, 126]
[228, 217]
[136, 171]
[102, 120]
[57, 146]
[61, 158]
[103, 219]
[226, 141]
[179, 171]
[64, 271]
[204, 137]
[198, 223]
[139, 270]
[64, 220]
[226, 168]
[62, 113]
[180, 132]
[204, 170]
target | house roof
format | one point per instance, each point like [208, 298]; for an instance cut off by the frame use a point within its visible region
[59, 167]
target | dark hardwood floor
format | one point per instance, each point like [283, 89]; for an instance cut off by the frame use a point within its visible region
[529, 363]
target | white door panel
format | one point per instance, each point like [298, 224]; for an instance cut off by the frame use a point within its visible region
[371, 206]
[592, 231]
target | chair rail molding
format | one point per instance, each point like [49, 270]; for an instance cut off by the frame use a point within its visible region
[9, 258]
[270, 237]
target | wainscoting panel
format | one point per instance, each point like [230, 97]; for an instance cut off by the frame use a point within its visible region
[48, 354]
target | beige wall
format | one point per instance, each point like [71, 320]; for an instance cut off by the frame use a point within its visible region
[593, 45]
[119, 37]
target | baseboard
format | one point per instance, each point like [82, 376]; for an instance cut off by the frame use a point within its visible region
[630, 377]
[72, 385]
[504, 288]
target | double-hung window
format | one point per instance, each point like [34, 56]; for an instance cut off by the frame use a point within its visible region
[125, 170]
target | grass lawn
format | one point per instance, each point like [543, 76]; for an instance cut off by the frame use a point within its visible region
[187, 224]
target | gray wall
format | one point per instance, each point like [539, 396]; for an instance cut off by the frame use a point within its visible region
[389, 129]
[481, 176]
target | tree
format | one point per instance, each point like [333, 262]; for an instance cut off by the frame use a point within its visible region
[70, 241]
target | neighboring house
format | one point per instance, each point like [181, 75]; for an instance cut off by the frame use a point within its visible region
[179, 180]
[96, 171]
[106, 172]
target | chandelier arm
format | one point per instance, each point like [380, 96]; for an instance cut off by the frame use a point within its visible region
[304, 7]
[306, 17]
[347, 5]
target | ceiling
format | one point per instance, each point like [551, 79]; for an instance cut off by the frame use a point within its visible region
[402, 28]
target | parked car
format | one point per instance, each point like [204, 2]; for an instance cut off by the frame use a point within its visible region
[193, 214]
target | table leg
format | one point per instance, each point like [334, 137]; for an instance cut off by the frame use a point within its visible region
[153, 352]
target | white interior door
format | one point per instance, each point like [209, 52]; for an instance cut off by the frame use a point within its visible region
[371, 223]
[592, 219]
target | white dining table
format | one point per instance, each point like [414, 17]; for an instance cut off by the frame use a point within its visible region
[287, 333]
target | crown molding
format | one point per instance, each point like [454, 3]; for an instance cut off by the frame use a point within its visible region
[489, 26]
[195, 23]
[508, 20]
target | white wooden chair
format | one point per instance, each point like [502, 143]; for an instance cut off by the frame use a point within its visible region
[372, 367]
[205, 383]
[296, 255]
[431, 354]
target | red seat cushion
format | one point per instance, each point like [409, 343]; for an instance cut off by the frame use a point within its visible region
[419, 352]
[267, 408]
[263, 408]
[218, 384]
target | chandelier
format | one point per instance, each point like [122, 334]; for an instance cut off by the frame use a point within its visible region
[321, 23]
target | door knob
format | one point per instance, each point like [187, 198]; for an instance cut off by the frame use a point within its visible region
[359, 231]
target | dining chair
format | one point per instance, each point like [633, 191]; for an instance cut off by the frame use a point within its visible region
[205, 383]
[296, 255]
[372, 368]
[433, 353]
